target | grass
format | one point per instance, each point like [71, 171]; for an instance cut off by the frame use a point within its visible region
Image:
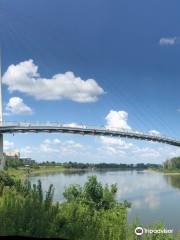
[19, 173]
[23, 172]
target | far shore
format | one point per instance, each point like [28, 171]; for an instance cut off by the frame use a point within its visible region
[165, 172]
[171, 173]
[23, 172]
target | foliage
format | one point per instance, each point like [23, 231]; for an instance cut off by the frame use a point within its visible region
[23, 211]
[171, 164]
[19, 162]
[89, 212]
[92, 194]
[123, 166]
[6, 180]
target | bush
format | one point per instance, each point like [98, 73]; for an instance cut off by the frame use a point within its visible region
[89, 212]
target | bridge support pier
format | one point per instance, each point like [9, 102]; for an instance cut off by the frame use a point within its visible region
[2, 158]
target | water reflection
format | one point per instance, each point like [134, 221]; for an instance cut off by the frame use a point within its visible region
[154, 196]
[173, 180]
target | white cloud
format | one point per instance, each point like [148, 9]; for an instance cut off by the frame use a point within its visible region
[165, 41]
[117, 120]
[61, 147]
[118, 147]
[24, 77]
[56, 141]
[154, 132]
[71, 147]
[47, 148]
[73, 125]
[116, 142]
[46, 141]
[26, 151]
[146, 152]
[18, 107]
[151, 200]
[8, 145]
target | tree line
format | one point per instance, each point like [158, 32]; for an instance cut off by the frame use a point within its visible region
[122, 166]
[172, 164]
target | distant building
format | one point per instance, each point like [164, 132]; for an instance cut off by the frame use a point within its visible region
[16, 156]
[27, 161]
[12, 155]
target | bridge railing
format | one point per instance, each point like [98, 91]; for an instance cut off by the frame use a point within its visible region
[81, 126]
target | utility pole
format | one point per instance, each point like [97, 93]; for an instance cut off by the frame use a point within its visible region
[1, 118]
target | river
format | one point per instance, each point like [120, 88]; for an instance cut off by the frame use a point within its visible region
[154, 196]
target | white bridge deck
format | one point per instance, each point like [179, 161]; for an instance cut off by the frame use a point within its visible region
[52, 127]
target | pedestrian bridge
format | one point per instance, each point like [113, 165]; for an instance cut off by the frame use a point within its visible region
[56, 127]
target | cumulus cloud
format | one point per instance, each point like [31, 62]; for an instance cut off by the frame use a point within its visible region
[117, 147]
[154, 132]
[151, 200]
[26, 151]
[61, 147]
[117, 120]
[46, 148]
[8, 145]
[73, 125]
[116, 142]
[56, 141]
[17, 106]
[24, 77]
[146, 152]
[169, 41]
[114, 146]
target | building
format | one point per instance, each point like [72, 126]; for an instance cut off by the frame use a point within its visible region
[27, 161]
[15, 155]
[12, 155]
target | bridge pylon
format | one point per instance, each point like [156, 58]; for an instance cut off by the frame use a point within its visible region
[1, 119]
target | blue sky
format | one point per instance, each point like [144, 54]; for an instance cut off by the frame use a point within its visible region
[130, 49]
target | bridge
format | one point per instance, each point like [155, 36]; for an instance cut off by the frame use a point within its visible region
[56, 127]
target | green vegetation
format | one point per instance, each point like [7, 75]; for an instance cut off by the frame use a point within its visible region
[172, 165]
[99, 166]
[173, 180]
[19, 170]
[89, 212]
[23, 172]
[17, 163]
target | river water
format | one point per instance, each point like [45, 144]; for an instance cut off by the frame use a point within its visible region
[154, 196]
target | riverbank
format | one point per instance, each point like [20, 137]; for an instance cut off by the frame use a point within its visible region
[165, 172]
[23, 172]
